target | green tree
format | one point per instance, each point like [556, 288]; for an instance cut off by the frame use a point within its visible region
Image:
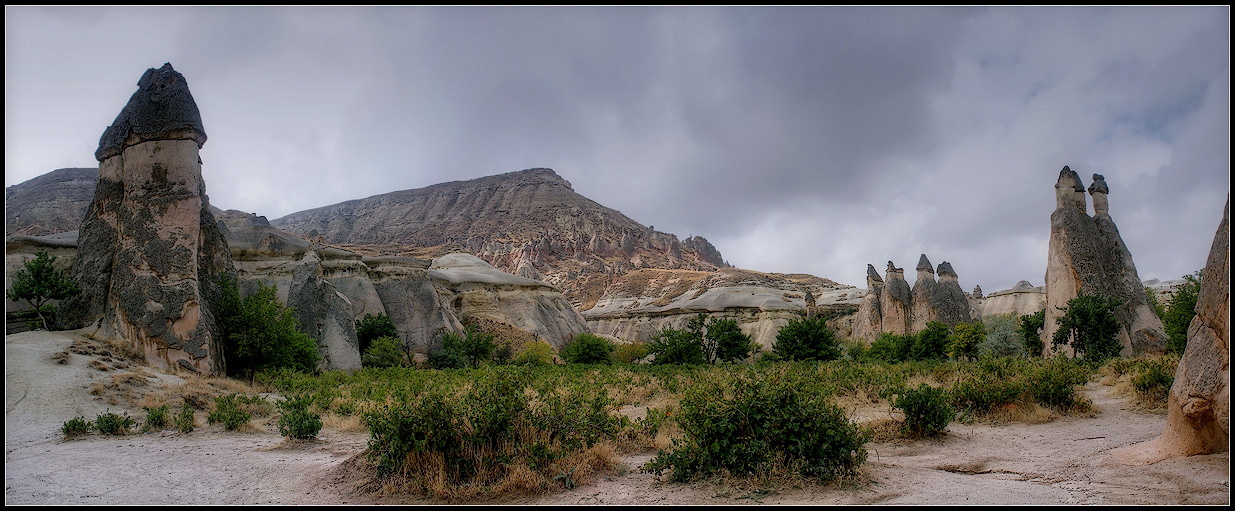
[931, 343]
[383, 352]
[1003, 337]
[1031, 326]
[725, 342]
[673, 346]
[39, 281]
[1179, 313]
[473, 347]
[892, 348]
[1159, 309]
[535, 353]
[965, 338]
[373, 326]
[588, 349]
[260, 333]
[807, 339]
[1088, 325]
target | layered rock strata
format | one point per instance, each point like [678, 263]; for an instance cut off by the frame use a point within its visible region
[150, 253]
[1087, 254]
[1199, 406]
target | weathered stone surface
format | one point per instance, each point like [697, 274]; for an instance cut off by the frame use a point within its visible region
[150, 252]
[1022, 299]
[1199, 405]
[896, 303]
[324, 314]
[52, 203]
[951, 305]
[1087, 254]
[924, 303]
[868, 322]
[977, 292]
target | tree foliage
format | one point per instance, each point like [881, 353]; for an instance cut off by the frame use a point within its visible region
[383, 352]
[374, 326]
[965, 339]
[1179, 313]
[588, 349]
[39, 281]
[931, 343]
[1003, 337]
[807, 339]
[467, 350]
[260, 333]
[703, 341]
[1089, 326]
[1031, 326]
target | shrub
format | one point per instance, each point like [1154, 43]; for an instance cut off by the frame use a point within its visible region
[185, 421]
[76, 426]
[1030, 328]
[807, 339]
[40, 281]
[703, 341]
[891, 348]
[588, 349]
[227, 410]
[447, 359]
[535, 353]
[1002, 339]
[383, 352]
[1054, 383]
[373, 327]
[765, 422]
[157, 418]
[260, 333]
[927, 412]
[964, 341]
[629, 353]
[985, 394]
[1179, 313]
[474, 346]
[1153, 383]
[725, 342]
[1159, 309]
[931, 343]
[672, 346]
[1089, 326]
[114, 424]
[295, 419]
[856, 350]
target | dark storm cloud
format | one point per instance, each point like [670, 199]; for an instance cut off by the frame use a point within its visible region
[796, 139]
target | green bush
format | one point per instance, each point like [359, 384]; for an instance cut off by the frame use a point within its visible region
[1179, 313]
[447, 359]
[295, 419]
[807, 339]
[1031, 326]
[724, 341]
[891, 348]
[1054, 383]
[588, 349]
[1002, 338]
[373, 327]
[759, 423]
[629, 353]
[535, 353]
[964, 341]
[1155, 380]
[856, 350]
[703, 341]
[672, 346]
[157, 418]
[1089, 326]
[927, 411]
[383, 352]
[473, 346]
[228, 411]
[185, 421]
[259, 333]
[76, 426]
[931, 343]
[114, 424]
[985, 394]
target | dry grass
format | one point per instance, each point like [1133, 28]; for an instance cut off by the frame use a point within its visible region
[343, 423]
[61, 357]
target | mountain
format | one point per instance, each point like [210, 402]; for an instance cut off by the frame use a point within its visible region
[530, 223]
[52, 203]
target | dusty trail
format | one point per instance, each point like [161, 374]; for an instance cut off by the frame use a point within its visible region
[1066, 461]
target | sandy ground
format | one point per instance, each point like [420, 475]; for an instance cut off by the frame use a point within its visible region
[1066, 461]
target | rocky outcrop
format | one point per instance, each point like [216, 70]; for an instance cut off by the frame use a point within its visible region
[1199, 406]
[1022, 299]
[1088, 255]
[867, 324]
[892, 307]
[638, 305]
[951, 304]
[924, 297]
[977, 292]
[52, 203]
[324, 314]
[150, 253]
[895, 302]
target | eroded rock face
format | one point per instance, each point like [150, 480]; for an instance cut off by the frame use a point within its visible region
[896, 302]
[150, 254]
[925, 296]
[1199, 405]
[867, 323]
[325, 314]
[1087, 254]
[893, 308]
[52, 203]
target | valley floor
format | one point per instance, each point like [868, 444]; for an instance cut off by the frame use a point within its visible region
[1067, 461]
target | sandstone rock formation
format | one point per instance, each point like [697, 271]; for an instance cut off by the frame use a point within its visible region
[892, 307]
[977, 292]
[1199, 405]
[641, 303]
[1022, 299]
[150, 253]
[52, 203]
[1087, 254]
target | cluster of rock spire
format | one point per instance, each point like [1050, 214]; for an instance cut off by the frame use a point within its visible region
[891, 306]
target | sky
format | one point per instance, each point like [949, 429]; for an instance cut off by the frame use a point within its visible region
[795, 139]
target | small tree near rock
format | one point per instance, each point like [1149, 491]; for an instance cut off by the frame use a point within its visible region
[39, 281]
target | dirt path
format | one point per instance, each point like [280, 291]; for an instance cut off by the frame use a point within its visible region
[1066, 461]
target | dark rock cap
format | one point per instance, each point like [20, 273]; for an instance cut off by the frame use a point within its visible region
[162, 108]
[946, 269]
[1069, 178]
[892, 267]
[1099, 185]
[1022, 285]
[871, 273]
[924, 264]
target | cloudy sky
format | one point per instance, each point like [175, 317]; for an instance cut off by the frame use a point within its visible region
[795, 139]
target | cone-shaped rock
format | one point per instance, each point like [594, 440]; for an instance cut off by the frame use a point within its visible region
[925, 306]
[951, 305]
[150, 254]
[866, 326]
[896, 303]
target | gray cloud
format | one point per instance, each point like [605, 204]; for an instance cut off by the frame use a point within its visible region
[797, 139]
